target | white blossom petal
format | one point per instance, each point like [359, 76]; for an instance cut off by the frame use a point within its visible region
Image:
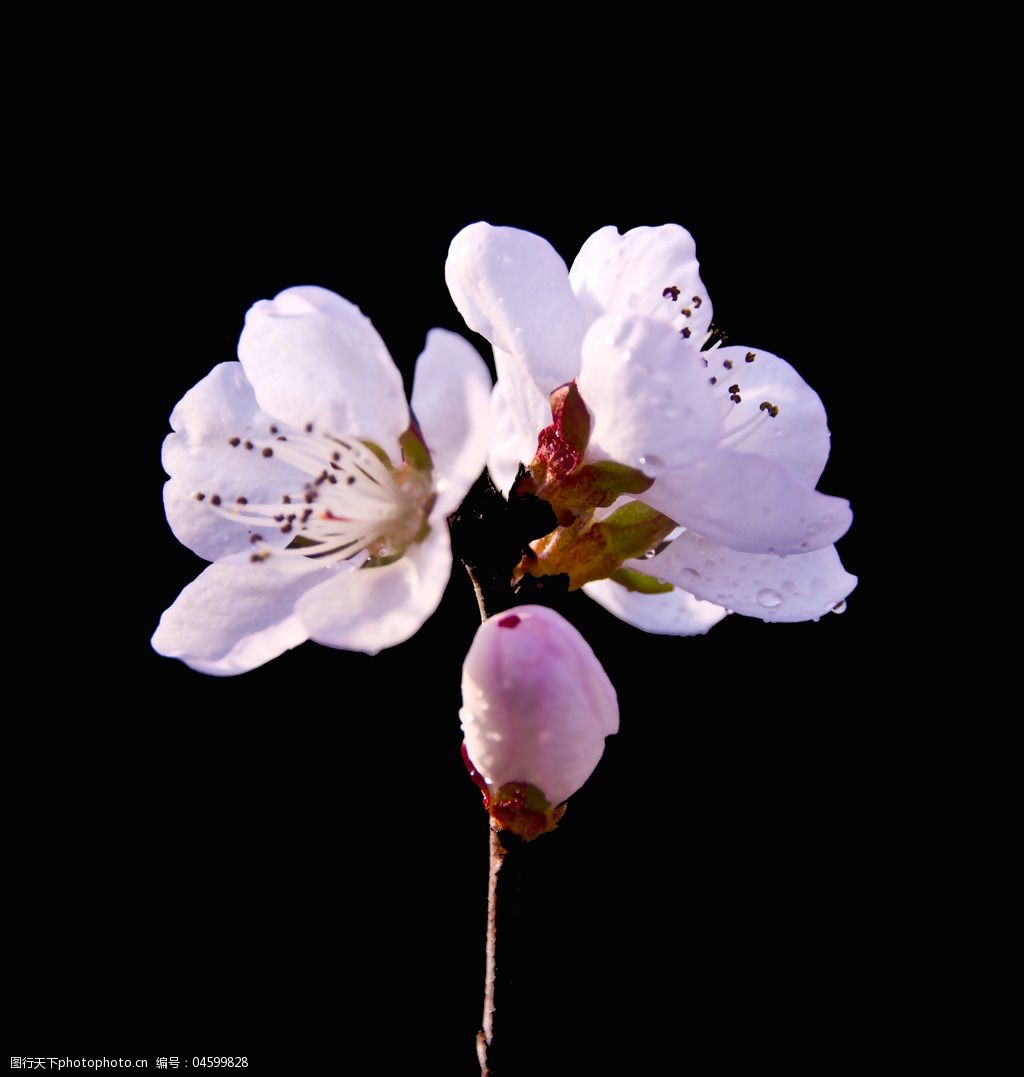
[675, 613]
[513, 288]
[796, 588]
[451, 399]
[797, 436]
[649, 394]
[376, 608]
[537, 703]
[314, 357]
[748, 503]
[631, 274]
[199, 459]
[520, 411]
[236, 615]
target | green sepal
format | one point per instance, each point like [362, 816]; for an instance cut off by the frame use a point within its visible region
[640, 582]
[380, 562]
[592, 549]
[377, 451]
[523, 809]
[414, 450]
[593, 486]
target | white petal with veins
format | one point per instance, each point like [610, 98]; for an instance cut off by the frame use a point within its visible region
[200, 460]
[674, 613]
[795, 435]
[236, 615]
[451, 399]
[647, 271]
[513, 288]
[380, 607]
[795, 588]
[312, 356]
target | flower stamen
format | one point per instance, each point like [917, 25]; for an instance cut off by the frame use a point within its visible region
[377, 510]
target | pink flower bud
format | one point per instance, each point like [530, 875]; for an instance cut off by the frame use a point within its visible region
[536, 707]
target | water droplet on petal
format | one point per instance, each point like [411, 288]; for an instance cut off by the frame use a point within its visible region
[650, 464]
[769, 599]
[839, 607]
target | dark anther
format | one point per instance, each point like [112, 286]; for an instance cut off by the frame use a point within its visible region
[215, 500]
[279, 517]
[286, 529]
[685, 330]
[286, 500]
[273, 429]
[200, 497]
[687, 312]
[772, 409]
[735, 398]
[351, 479]
[249, 445]
[306, 513]
[309, 428]
[734, 388]
[281, 437]
[750, 357]
[727, 364]
[234, 442]
[673, 291]
[268, 452]
[241, 501]
[696, 300]
[714, 381]
[255, 538]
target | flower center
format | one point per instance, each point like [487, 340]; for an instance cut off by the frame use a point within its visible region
[348, 499]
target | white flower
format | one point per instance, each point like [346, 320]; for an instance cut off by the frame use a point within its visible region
[537, 706]
[297, 472]
[733, 438]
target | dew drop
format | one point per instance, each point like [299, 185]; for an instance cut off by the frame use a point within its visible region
[650, 464]
[839, 607]
[769, 599]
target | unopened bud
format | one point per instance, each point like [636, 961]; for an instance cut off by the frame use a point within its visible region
[536, 708]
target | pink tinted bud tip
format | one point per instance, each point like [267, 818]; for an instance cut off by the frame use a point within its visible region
[537, 706]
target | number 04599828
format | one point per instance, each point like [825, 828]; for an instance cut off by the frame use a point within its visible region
[225, 1061]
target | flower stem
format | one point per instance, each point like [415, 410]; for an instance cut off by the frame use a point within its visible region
[478, 591]
[486, 1033]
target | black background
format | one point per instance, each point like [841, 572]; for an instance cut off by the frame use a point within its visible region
[296, 856]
